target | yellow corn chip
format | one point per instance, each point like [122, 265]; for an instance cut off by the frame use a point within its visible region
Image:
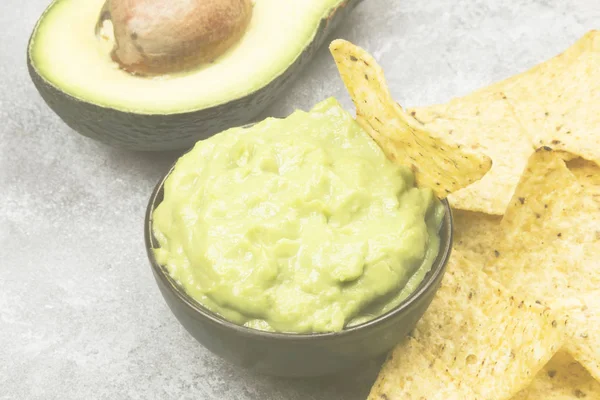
[411, 372]
[556, 103]
[438, 163]
[485, 336]
[550, 250]
[485, 339]
[562, 378]
[485, 123]
[559, 101]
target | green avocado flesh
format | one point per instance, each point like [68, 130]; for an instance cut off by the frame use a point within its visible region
[296, 225]
[67, 53]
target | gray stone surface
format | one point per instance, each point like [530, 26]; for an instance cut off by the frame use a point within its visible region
[80, 315]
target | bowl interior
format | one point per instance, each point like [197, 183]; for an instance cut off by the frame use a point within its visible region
[437, 268]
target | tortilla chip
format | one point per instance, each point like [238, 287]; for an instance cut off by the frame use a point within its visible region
[562, 378]
[559, 101]
[411, 372]
[485, 123]
[438, 163]
[487, 337]
[475, 234]
[550, 250]
[556, 103]
[476, 341]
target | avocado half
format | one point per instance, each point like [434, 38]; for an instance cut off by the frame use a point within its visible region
[75, 75]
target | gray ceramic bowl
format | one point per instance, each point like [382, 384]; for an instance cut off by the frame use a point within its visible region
[289, 354]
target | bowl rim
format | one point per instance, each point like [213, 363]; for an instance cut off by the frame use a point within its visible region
[438, 268]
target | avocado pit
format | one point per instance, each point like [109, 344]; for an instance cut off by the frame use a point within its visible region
[163, 36]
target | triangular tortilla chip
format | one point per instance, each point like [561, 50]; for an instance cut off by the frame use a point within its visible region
[559, 101]
[550, 250]
[485, 123]
[485, 335]
[562, 378]
[438, 163]
[485, 338]
[556, 103]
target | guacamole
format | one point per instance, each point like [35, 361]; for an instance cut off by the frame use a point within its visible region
[296, 225]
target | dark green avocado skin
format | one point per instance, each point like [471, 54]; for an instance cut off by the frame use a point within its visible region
[156, 132]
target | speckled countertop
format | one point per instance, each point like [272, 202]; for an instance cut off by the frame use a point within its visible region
[80, 315]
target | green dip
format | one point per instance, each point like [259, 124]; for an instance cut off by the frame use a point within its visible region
[296, 225]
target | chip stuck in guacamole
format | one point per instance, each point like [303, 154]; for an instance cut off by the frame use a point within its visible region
[296, 225]
[437, 162]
